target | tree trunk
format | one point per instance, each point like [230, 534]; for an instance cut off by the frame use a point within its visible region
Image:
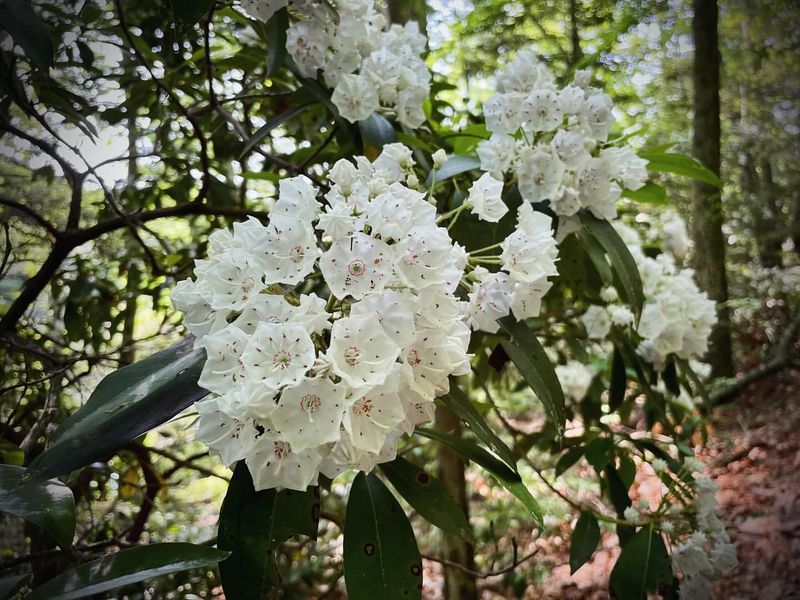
[709, 254]
[458, 584]
[575, 38]
[772, 243]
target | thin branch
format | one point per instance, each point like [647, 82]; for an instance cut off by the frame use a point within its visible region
[483, 575]
[26, 210]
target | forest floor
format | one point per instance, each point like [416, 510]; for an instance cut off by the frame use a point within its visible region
[753, 454]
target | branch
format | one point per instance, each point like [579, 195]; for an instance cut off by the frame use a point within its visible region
[515, 562]
[69, 171]
[26, 210]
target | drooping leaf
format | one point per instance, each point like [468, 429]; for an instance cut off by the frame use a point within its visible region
[11, 586]
[18, 18]
[618, 381]
[251, 525]
[641, 567]
[267, 127]
[530, 358]
[649, 193]
[276, 40]
[375, 131]
[381, 558]
[428, 496]
[457, 401]
[48, 504]
[625, 269]
[125, 404]
[680, 164]
[455, 165]
[126, 567]
[569, 458]
[501, 472]
[585, 538]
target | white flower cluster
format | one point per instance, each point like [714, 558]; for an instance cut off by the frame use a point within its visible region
[708, 553]
[552, 140]
[302, 385]
[368, 63]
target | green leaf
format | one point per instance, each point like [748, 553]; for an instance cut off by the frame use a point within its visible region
[11, 586]
[530, 358]
[267, 127]
[600, 452]
[585, 538]
[381, 558]
[376, 131]
[680, 164]
[11, 454]
[456, 164]
[252, 524]
[428, 496]
[126, 567]
[641, 567]
[501, 472]
[276, 40]
[48, 504]
[649, 193]
[126, 404]
[618, 381]
[569, 458]
[18, 18]
[625, 269]
[457, 401]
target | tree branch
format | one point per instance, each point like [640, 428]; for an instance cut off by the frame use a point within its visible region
[26, 210]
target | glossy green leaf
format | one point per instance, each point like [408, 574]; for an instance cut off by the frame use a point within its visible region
[276, 40]
[126, 404]
[126, 567]
[267, 127]
[527, 354]
[649, 193]
[619, 381]
[48, 504]
[625, 269]
[455, 165]
[428, 496]
[376, 132]
[501, 472]
[10, 586]
[381, 558]
[251, 525]
[457, 401]
[585, 538]
[679, 164]
[24, 25]
[641, 567]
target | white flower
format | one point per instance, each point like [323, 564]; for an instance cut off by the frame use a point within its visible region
[248, 400]
[575, 379]
[626, 166]
[356, 97]
[503, 113]
[229, 437]
[529, 254]
[270, 308]
[232, 278]
[356, 265]
[597, 192]
[620, 315]
[597, 322]
[360, 352]
[274, 464]
[539, 172]
[263, 9]
[489, 300]
[374, 412]
[339, 221]
[394, 212]
[497, 153]
[598, 116]
[278, 354]
[223, 367]
[394, 162]
[190, 297]
[542, 111]
[309, 413]
[311, 314]
[288, 251]
[422, 257]
[395, 311]
[631, 514]
[297, 199]
[570, 147]
[485, 198]
[659, 465]
[526, 299]
[439, 158]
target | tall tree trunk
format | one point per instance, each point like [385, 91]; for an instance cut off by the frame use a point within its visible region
[772, 243]
[458, 584]
[709, 255]
[574, 29]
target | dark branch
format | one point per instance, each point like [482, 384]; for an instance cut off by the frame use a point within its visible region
[26, 210]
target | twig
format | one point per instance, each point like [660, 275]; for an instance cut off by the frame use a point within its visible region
[483, 575]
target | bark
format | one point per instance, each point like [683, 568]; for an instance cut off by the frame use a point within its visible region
[771, 245]
[707, 212]
[575, 38]
[458, 584]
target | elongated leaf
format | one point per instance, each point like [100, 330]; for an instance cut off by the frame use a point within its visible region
[9, 586]
[276, 40]
[428, 496]
[251, 525]
[530, 358]
[505, 476]
[48, 504]
[455, 165]
[381, 558]
[569, 458]
[618, 381]
[18, 18]
[376, 131]
[585, 538]
[126, 567]
[457, 401]
[649, 193]
[680, 164]
[641, 567]
[625, 269]
[125, 404]
[267, 127]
